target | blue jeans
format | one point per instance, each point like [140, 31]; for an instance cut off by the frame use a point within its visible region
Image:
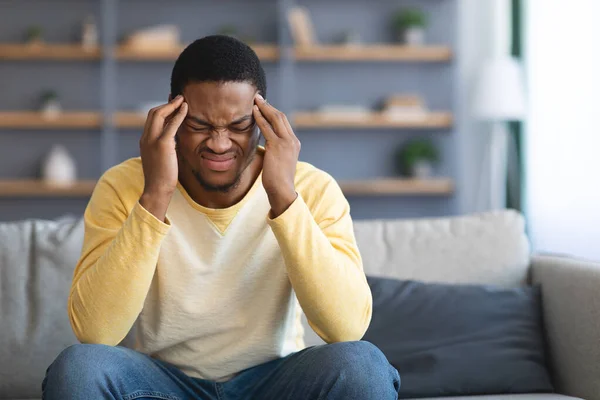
[351, 370]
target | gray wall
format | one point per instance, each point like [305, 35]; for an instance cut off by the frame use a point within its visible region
[111, 85]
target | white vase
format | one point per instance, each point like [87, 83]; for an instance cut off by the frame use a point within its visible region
[59, 167]
[422, 169]
[414, 36]
[51, 109]
[89, 34]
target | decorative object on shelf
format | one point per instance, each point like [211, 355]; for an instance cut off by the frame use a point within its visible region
[417, 158]
[344, 111]
[89, 34]
[301, 27]
[59, 167]
[154, 39]
[409, 26]
[33, 36]
[50, 105]
[350, 38]
[405, 107]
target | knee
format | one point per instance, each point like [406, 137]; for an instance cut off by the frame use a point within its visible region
[358, 356]
[362, 365]
[83, 364]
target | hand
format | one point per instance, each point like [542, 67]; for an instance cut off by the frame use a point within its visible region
[281, 155]
[159, 156]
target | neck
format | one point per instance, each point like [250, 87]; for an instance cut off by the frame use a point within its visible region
[212, 199]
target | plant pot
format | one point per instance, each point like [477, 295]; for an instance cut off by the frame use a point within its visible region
[59, 168]
[51, 109]
[35, 42]
[422, 169]
[414, 36]
[351, 38]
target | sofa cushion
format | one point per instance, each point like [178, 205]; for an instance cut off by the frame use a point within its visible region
[449, 340]
[37, 259]
[488, 248]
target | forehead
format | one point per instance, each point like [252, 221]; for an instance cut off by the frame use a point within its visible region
[219, 98]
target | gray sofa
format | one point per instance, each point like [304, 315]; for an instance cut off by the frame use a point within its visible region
[37, 260]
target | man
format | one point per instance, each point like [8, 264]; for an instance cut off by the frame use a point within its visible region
[206, 244]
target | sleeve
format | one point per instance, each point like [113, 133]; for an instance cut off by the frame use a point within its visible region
[117, 264]
[324, 265]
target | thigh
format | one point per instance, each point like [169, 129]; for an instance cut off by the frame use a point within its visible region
[86, 371]
[350, 370]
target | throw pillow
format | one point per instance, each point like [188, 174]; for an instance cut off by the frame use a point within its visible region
[458, 340]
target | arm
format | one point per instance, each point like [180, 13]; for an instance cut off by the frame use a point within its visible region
[571, 300]
[123, 235]
[117, 264]
[317, 242]
[324, 265]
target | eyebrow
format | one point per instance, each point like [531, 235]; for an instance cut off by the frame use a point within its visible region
[206, 123]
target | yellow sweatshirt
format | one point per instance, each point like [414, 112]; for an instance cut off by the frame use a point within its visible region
[216, 291]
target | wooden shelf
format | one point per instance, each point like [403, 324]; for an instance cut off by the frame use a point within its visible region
[316, 120]
[37, 120]
[265, 52]
[37, 188]
[376, 52]
[129, 119]
[47, 52]
[404, 187]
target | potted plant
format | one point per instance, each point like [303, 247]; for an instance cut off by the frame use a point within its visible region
[409, 25]
[50, 105]
[33, 35]
[417, 158]
[229, 30]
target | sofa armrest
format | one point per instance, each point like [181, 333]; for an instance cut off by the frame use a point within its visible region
[571, 301]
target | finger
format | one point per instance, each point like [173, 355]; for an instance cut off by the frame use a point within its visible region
[171, 128]
[275, 117]
[169, 108]
[289, 128]
[161, 114]
[155, 120]
[263, 124]
[146, 133]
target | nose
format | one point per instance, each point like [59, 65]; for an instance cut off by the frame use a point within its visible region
[219, 141]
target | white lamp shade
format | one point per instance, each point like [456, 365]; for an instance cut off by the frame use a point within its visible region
[500, 91]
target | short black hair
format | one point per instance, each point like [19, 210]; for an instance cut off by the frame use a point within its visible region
[218, 58]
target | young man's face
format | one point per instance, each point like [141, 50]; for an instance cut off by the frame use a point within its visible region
[218, 139]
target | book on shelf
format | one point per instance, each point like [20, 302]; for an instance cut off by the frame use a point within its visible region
[301, 27]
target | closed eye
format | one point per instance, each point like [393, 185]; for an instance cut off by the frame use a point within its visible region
[195, 128]
[245, 128]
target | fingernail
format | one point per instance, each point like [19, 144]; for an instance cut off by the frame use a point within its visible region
[178, 97]
[255, 107]
[260, 97]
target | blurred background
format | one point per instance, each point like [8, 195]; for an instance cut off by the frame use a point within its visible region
[419, 108]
